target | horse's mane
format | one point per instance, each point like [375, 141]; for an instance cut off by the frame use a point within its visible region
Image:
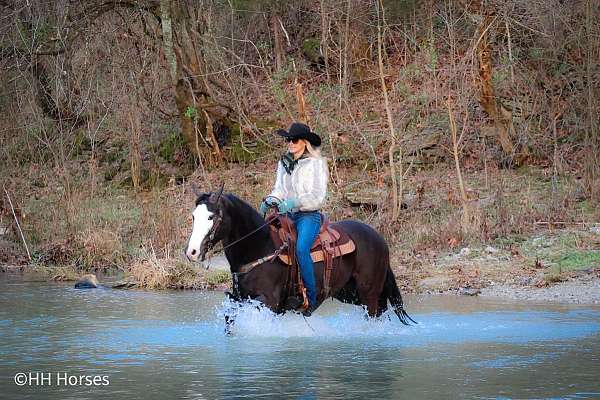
[246, 208]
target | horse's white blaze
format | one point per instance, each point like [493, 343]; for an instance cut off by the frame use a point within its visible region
[200, 228]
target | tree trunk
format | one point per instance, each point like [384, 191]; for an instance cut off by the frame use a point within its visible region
[167, 32]
[279, 47]
[591, 175]
[501, 117]
[45, 85]
[325, 38]
[487, 98]
[192, 95]
[397, 189]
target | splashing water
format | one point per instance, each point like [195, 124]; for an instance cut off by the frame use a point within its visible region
[338, 321]
[252, 319]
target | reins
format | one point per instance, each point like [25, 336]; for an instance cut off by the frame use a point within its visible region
[246, 236]
[213, 251]
[244, 269]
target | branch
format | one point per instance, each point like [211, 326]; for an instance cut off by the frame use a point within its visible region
[98, 9]
[17, 221]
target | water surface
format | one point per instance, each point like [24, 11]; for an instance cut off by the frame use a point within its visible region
[156, 345]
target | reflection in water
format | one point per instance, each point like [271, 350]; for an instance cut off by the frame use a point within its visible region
[172, 345]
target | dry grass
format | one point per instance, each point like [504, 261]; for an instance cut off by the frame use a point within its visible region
[167, 273]
[64, 273]
[112, 228]
[101, 249]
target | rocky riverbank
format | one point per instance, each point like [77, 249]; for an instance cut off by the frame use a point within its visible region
[580, 290]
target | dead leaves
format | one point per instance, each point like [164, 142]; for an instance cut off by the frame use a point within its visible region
[463, 276]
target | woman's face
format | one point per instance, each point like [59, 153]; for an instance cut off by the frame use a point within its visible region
[296, 146]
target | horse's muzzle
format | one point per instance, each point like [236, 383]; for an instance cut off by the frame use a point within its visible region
[193, 255]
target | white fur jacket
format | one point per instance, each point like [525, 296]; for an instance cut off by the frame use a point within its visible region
[307, 184]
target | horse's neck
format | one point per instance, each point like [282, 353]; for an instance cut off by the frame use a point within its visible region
[251, 248]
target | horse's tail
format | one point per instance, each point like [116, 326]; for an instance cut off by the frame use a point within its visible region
[395, 298]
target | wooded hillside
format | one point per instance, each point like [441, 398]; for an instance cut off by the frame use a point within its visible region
[109, 106]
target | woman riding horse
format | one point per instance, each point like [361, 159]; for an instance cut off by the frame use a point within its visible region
[362, 277]
[300, 190]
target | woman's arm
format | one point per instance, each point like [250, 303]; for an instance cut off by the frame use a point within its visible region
[278, 190]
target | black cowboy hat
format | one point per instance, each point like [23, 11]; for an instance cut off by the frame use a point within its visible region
[300, 131]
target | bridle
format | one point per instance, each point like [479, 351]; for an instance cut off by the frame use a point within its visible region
[219, 218]
[210, 243]
[213, 230]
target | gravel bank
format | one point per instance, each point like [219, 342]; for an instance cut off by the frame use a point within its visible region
[581, 290]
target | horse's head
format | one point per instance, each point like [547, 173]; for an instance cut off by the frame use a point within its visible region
[208, 224]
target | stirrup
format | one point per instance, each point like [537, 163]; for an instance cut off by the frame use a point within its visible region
[309, 310]
[293, 303]
[296, 303]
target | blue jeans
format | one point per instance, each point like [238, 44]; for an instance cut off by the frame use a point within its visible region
[308, 224]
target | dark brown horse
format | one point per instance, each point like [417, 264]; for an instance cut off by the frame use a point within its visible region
[363, 277]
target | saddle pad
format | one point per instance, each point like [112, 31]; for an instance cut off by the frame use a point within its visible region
[341, 247]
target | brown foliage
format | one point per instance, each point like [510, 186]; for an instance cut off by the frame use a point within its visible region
[522, 71]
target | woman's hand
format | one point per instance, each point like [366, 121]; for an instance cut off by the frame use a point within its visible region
[264, 207]
[286, 206]
[267, 203]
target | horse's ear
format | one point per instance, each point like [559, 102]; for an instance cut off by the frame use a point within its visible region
[195, 190]
[221, 191]
[215, 198]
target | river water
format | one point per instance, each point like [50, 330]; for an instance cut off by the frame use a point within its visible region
[159, 345]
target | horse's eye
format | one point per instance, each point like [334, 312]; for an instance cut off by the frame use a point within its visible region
[210, 217]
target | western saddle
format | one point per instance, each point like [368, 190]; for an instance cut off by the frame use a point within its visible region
[331, 243]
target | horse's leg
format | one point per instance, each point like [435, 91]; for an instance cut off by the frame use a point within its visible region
[262, 300]
[370, 287]
[229, 322]
[230, 315]
[348, 294]
[375, 297]
[392, 292]
[373, 307]
[369, 296]
[360, 290]
[382, 304]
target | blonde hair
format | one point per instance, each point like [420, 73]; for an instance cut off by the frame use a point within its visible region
[313, 151]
